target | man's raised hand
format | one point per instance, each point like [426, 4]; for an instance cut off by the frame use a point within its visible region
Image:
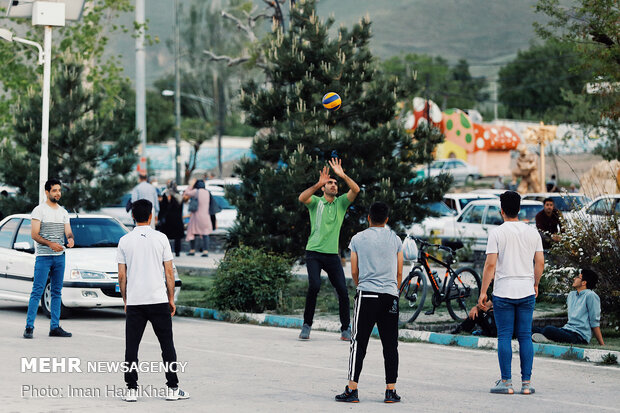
[336, 164]
[324, 176]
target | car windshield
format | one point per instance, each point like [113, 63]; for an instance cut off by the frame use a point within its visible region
[437, 164]
[569, 203]
[528, 212]
[96, 232]
[465, 201]
[440, 209]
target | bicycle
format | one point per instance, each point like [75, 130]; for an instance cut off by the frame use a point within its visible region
[459, 290]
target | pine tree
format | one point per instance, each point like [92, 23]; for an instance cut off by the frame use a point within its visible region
[92, 173]
[303, 63]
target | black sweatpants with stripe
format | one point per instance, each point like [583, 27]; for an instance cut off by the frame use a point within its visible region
[382, 310]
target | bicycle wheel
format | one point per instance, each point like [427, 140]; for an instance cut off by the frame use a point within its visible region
[463, 293]
[411, 296]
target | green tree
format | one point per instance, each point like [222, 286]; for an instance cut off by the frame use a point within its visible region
[92, 172]
[530, 87]
[299, 135]
[159, 113]
[591, 27]
[86, 38]
[433, 77]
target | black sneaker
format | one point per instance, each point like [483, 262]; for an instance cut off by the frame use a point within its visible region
[391, 396]
[28, 332]
[349, 396]
[59, 332]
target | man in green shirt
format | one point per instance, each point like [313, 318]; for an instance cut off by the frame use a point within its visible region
[326, 216]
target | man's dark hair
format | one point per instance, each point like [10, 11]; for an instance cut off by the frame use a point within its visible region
[141, 209]
[50, 183]
[590, 277]
[143, 177]
[549, 200]
[510, 202]
[378, 212]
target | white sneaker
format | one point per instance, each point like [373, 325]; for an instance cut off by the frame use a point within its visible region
[540, 338]
[176, 394]
[131, 395]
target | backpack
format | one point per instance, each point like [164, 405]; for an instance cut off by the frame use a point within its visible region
[214, 207]
[193, 203]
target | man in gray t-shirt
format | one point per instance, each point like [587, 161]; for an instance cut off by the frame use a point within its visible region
[377, 268]
[50, 226]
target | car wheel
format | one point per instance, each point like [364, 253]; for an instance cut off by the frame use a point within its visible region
[469, 180]
[46, 302]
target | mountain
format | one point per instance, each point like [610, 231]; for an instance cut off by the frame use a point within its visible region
[485, 32]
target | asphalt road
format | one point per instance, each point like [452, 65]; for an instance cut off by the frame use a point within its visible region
[246, 368]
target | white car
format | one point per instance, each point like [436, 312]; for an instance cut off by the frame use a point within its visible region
[118, 210]
[564, 202]
[458, 202]
[460, 170]
[472, 226]
[598, 209]
[433, 225]
[91, 271]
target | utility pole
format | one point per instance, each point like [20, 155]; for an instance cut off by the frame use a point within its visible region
[495, 99]
[177, 94]
[140, 84]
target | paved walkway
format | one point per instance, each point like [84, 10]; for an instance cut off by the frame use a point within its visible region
[245, 368]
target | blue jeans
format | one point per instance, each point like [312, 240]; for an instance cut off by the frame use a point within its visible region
[560, 335]
[44, 265]
[514, 316]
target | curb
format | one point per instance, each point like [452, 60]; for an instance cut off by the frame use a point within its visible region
[485, 343]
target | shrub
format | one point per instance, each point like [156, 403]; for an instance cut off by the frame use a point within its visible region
[252, 280]
[590, 243]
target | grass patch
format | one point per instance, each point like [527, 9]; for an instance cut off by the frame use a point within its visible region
[326, 302]
[609, 359]
[194, 291]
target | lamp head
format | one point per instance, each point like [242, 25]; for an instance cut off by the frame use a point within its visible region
[6, 35]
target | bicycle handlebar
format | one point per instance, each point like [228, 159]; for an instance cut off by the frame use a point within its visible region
[427, 244]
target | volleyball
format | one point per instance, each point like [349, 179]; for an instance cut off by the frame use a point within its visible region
[331, 101]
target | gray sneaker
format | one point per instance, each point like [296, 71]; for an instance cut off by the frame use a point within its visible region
[526, 388]
[346, 335]
[540, 338]
[503, 387]
[305, 332]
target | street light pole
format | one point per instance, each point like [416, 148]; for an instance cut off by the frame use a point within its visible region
[141, 85]
[177, 95]
[45, 121]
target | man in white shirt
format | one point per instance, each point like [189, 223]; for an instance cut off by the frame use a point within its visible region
[146, 281]
[515, 260]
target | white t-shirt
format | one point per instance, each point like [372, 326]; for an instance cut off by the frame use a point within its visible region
[144, 251]
[515, 244]
[53, 222]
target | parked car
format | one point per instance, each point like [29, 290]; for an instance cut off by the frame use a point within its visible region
[489, 191]
[91, 271]
[472, 226]
[458, 202]
[431, 225]
[117, 209]
[597, 209]
[460, 170]
[563, 201]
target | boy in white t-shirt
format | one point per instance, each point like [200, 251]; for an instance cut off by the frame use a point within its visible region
[146, 281]
[515, 260]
